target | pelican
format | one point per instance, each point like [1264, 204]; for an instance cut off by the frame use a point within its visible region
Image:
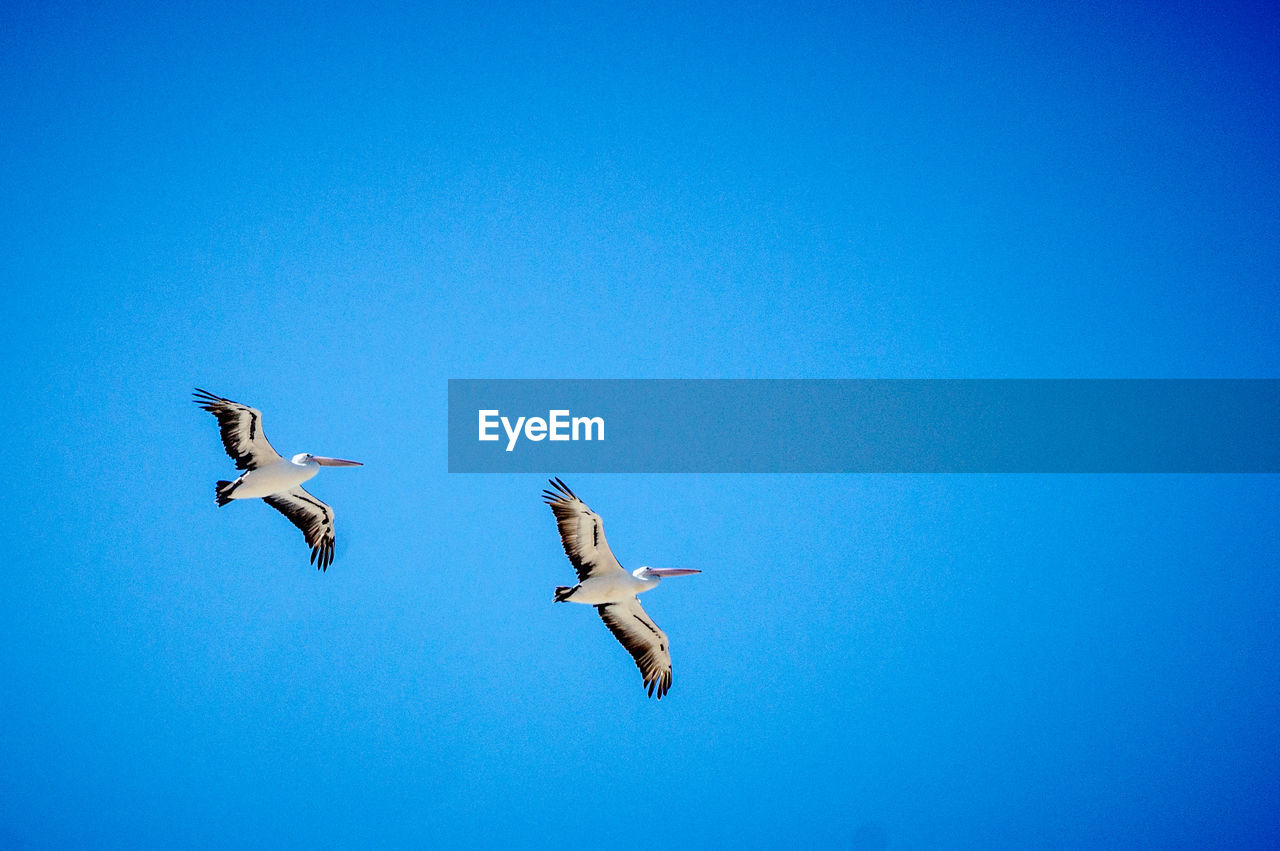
[277, 481]
[604, 584]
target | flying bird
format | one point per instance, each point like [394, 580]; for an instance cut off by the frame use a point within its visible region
[604, 584]
[278, 481]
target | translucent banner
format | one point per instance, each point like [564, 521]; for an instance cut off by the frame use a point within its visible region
[864, 426]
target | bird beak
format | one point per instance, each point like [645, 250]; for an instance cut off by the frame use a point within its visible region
[672, 571]
[334, 462]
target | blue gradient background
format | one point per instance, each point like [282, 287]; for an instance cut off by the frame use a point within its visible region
[328, 210]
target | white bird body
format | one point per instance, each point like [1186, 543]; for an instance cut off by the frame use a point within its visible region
[604, 584]
[612, 587]
[275, 477]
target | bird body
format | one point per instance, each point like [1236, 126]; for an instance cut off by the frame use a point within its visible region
[612, 587]
[273, 477]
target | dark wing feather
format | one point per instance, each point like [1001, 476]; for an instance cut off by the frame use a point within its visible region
[313, 517]
[644, 641]
[241, 428]
[581, 532]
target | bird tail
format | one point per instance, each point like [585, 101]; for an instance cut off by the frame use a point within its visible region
[223, 493]
[564, 592]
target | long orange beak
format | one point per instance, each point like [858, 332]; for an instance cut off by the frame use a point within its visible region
[672, 571]
[334, 462]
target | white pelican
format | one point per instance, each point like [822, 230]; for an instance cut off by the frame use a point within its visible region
[276, 480]
[604, 584]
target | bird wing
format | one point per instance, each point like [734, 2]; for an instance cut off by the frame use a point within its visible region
[241, 428]
[644, 641]
[313, 517]
[581, 532]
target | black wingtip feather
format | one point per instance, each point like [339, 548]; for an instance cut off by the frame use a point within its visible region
[562, 488]
[322, 557]
[204, 398]
[564, 493]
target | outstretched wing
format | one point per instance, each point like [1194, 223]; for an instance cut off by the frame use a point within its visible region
[644, 641]
[581, 532]
[313, 517]
[241, 428]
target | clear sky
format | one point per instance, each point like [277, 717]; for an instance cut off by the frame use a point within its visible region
[328, 210]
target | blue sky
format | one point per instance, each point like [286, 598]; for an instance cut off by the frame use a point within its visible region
[327, 211]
